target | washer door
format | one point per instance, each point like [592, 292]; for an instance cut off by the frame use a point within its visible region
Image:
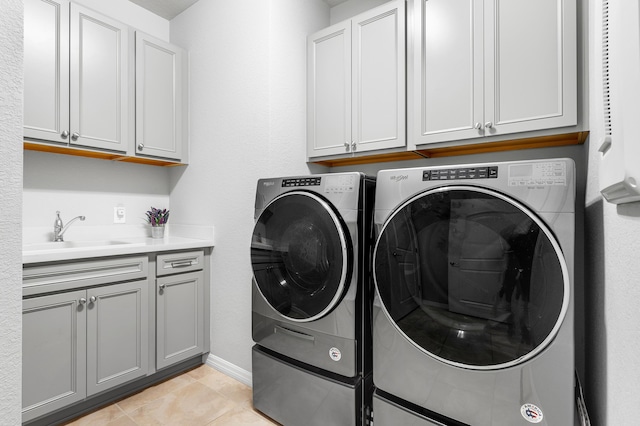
[301, 256]
[471, 277]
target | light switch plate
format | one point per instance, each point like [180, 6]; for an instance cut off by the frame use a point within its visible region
[119, 215]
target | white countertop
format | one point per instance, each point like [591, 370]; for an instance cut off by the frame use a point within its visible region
[179, 238]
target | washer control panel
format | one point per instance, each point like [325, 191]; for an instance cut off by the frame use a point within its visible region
[305, 181]
[339, 183]
[538, 174]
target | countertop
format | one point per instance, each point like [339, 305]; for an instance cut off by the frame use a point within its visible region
[175, 240]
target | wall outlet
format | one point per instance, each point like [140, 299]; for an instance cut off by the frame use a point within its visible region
[119, 215]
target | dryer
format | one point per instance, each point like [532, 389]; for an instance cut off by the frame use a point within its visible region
[311, 300]
[473, 318]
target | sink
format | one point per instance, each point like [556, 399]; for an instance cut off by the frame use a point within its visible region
[58, 245]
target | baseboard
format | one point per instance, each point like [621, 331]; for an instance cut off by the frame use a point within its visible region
[230, 369]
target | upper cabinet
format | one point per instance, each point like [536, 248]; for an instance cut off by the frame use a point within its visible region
[76, 76]
[483, 68]
[159, 92]
[91, 89]
[356, 84]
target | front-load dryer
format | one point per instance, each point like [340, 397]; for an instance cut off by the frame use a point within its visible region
[311, 301]
[473, 318]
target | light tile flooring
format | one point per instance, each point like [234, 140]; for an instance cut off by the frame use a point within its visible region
[199, 397]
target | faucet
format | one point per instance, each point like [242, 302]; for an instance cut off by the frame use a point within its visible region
[59, 228]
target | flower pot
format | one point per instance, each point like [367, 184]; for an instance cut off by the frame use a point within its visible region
[157, 232]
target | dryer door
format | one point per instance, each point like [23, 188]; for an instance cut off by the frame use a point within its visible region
[471, 277]
[301, 256]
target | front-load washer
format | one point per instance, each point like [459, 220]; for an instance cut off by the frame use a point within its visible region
[473, 318]
[311, 300]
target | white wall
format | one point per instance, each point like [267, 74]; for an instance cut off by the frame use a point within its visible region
[92, 188]
[11, 48]
[247, 106]
[613, 274]
[351, 8]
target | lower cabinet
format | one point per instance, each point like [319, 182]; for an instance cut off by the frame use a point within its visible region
[91, 326]
[180, 318]
[77, 344]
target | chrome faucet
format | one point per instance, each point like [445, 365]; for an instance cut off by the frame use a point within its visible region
[59, 228]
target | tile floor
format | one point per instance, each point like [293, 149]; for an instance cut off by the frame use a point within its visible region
[200, 397]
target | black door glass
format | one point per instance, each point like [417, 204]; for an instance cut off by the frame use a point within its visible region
[469, 277]
[298, 252]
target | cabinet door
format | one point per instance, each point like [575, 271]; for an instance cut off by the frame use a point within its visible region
[117, 334]
[530, 66]
[99, 80]
[379, 81]
[180, 317]
[329, 91]
[46, 69]
[159, 108]
[446, 71]
[53, 352]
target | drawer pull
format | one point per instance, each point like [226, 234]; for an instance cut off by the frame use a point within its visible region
[182, 264]
[294, 333]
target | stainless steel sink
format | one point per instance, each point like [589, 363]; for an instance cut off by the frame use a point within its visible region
[58, 245]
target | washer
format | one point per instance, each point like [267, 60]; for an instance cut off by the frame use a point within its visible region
[473, 318]
[311, 301]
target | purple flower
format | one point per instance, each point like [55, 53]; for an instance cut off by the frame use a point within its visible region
[157, 217]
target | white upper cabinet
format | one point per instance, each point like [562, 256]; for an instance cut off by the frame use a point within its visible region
[482, 68]
[99, 80]
[76, 76]
[46, 70]
[159, 92]
[356, 84]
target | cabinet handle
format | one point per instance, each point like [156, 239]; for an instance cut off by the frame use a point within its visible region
[488, 124]
[82, 301]
[64, 134]
[478, 126]
[75, 136]
[140, 146]
[161, 286]
[347, 145]
[92, 299]
[353, 146]
[182, 264]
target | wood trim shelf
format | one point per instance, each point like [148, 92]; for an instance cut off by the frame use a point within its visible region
[33, 146]
[566, 139]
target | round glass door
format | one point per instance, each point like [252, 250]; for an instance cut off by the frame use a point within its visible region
[471, 277]
[300, 256]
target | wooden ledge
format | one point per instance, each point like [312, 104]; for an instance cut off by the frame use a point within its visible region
[32, 146]
[477, 147]
[510, 145]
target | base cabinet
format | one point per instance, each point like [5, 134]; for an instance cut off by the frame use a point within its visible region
[181, 312]
[180, 318]
[77, 344]
[54, 352]
[100, 328]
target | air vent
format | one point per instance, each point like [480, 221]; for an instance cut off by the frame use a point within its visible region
[606, 81]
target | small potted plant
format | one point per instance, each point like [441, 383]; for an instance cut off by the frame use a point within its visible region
[157, 219]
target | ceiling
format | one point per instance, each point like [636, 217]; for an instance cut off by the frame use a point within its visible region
[169, 9]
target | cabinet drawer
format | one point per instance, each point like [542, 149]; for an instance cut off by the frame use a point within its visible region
[48, 278]
[175, 263]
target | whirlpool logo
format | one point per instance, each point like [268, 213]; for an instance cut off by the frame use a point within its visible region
[399, 178]
[268, 183]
